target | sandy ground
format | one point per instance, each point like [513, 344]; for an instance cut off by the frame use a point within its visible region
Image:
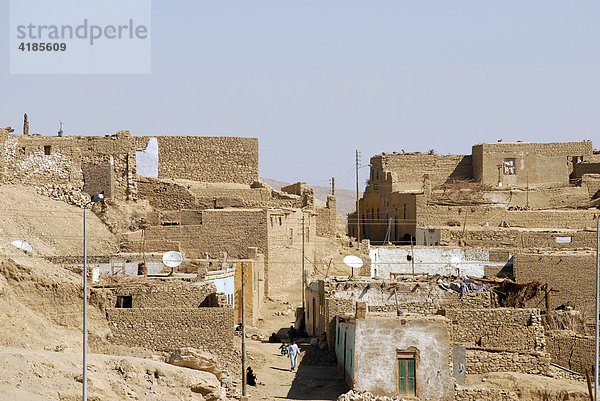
[307, 382]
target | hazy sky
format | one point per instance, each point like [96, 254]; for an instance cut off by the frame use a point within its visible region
[315, 80]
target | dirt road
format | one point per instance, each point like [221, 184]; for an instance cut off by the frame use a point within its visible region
[308, 382]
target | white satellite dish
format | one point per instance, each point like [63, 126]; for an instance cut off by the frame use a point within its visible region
[353, 261]
[172, 259]
[22, 245]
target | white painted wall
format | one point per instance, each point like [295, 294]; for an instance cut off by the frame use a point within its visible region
[443, 261]
[376, 342]
[147, 160]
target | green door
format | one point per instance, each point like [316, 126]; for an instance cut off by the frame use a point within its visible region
[406, 376]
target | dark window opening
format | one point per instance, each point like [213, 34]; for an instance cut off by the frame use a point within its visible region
[170, 223]
[124, 301]
[509, 166]
[47, 150]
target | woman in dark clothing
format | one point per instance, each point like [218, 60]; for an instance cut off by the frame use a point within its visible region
[250, 377]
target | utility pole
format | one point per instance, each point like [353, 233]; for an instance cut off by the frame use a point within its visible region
[244, 384]
[597, 305]
[357, 202]
[332, 185]
[303, 273]
[527, 206]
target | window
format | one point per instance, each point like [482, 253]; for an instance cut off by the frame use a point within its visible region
[124, 301]
[406, 373]
[509, 167]
[47, 149]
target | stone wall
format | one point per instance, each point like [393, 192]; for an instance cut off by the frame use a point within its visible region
[571, 273]
[410, 170]
[328, 221]
[519, 238]
[430, 215]
[592, 183]
[336, 308]
[502, 328]
[181, 238]
[167, 329]
[534, 163]
[427, 298]
[284, 254]
[571, 350]
[207, 159]
[484, 361]
[176, 194]
[160, 295]
[83, 163]
[99, 178]
[233, 231]
[485, 394]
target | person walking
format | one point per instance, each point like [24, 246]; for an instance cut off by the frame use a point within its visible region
[293, 352]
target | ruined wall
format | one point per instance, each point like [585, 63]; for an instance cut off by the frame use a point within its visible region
[168, 329]
[177, 194]
[429, 215]
[328, 221]
[165, 195]
[572, 274]
[77, 163]
[375, 362]
[207, 159]
[340, 297]
[519, 238]
[503, 328]
[426, 298]
[408, 171]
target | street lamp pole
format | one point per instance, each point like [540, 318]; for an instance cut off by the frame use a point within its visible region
[96, 198]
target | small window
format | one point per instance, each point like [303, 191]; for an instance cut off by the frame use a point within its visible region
[124, 301]
[509, 167]
[280, 221]
[47, 150]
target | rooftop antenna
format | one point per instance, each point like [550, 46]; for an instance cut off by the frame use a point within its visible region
[60, 131]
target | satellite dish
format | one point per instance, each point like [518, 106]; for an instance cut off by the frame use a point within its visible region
[22, 245]
[353, 261]
[172, 259]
